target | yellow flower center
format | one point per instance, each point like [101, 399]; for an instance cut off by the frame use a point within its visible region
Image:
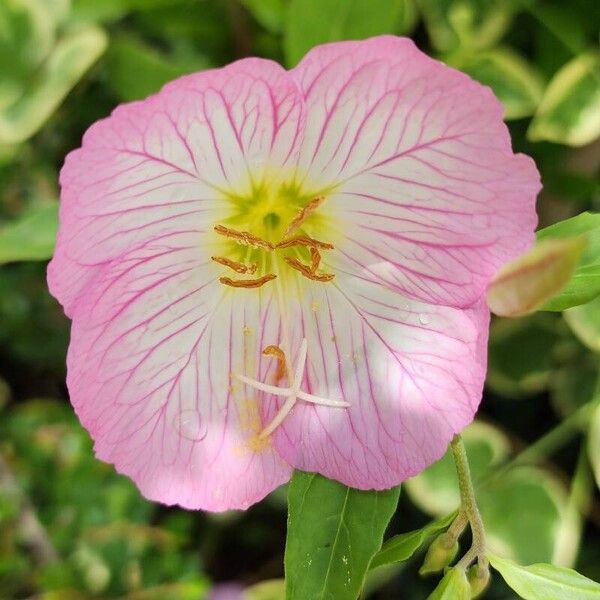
[273, 230]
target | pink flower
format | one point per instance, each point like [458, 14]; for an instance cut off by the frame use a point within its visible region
[272, 269]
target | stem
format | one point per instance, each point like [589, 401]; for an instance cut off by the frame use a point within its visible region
[458, 526]
[468, 505]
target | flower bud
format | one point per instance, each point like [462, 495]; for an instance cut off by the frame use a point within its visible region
[440, 554]
[479, 579]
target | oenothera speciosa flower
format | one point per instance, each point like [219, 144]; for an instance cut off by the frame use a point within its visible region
[272, 269]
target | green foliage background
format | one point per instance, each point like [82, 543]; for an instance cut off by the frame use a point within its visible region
[70, 527]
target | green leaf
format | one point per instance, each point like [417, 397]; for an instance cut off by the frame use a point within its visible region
[520, 360]
[569, 112]
[584, 285]
[269, 13]
[594, 444]
[333, 533]
[88, 11]
[545, 582]
[401, 547]
[72, 56]
[32, 236]
[525, 284]
[584, 320]
[469, 24]
[312, 22]
[26, 37]
[152, 70]
[515, 81]
[574, 384]
[453, 586]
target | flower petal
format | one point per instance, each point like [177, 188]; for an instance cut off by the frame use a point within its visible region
[153, 345]
[412, 372]
[160, 165]
[426, 184]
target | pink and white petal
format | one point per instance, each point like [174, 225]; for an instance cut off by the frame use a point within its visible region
[153, 345]
[412, 372]
[164, 164]
[425, 180]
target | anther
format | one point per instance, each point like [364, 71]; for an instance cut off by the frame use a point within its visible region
[244, 237]
[307, 271]
[278, 353]
[303, 214]
[247, 283]
[304, 240]
[315, 259]
[234, 265]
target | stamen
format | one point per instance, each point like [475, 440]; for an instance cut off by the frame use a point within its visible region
[315, 259]
[238, 267]
[306, 270]
[304, 240]
[303, 214]
[244, 237]
[247, 283]
[278, 353]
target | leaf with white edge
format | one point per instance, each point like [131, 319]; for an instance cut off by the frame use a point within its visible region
[569, 112]
[401, 547]
[453, 586]
[515, 81]
[72, 56]
[333, 533]
[525, 284]
[26, 37]
[313, 22]
[545, 582]
[467, 24]
[584, 321]
[584, 285]
[274, 589]
[30, 237]
[594, 444]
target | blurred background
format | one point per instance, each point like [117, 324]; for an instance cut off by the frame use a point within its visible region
[70, 527]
